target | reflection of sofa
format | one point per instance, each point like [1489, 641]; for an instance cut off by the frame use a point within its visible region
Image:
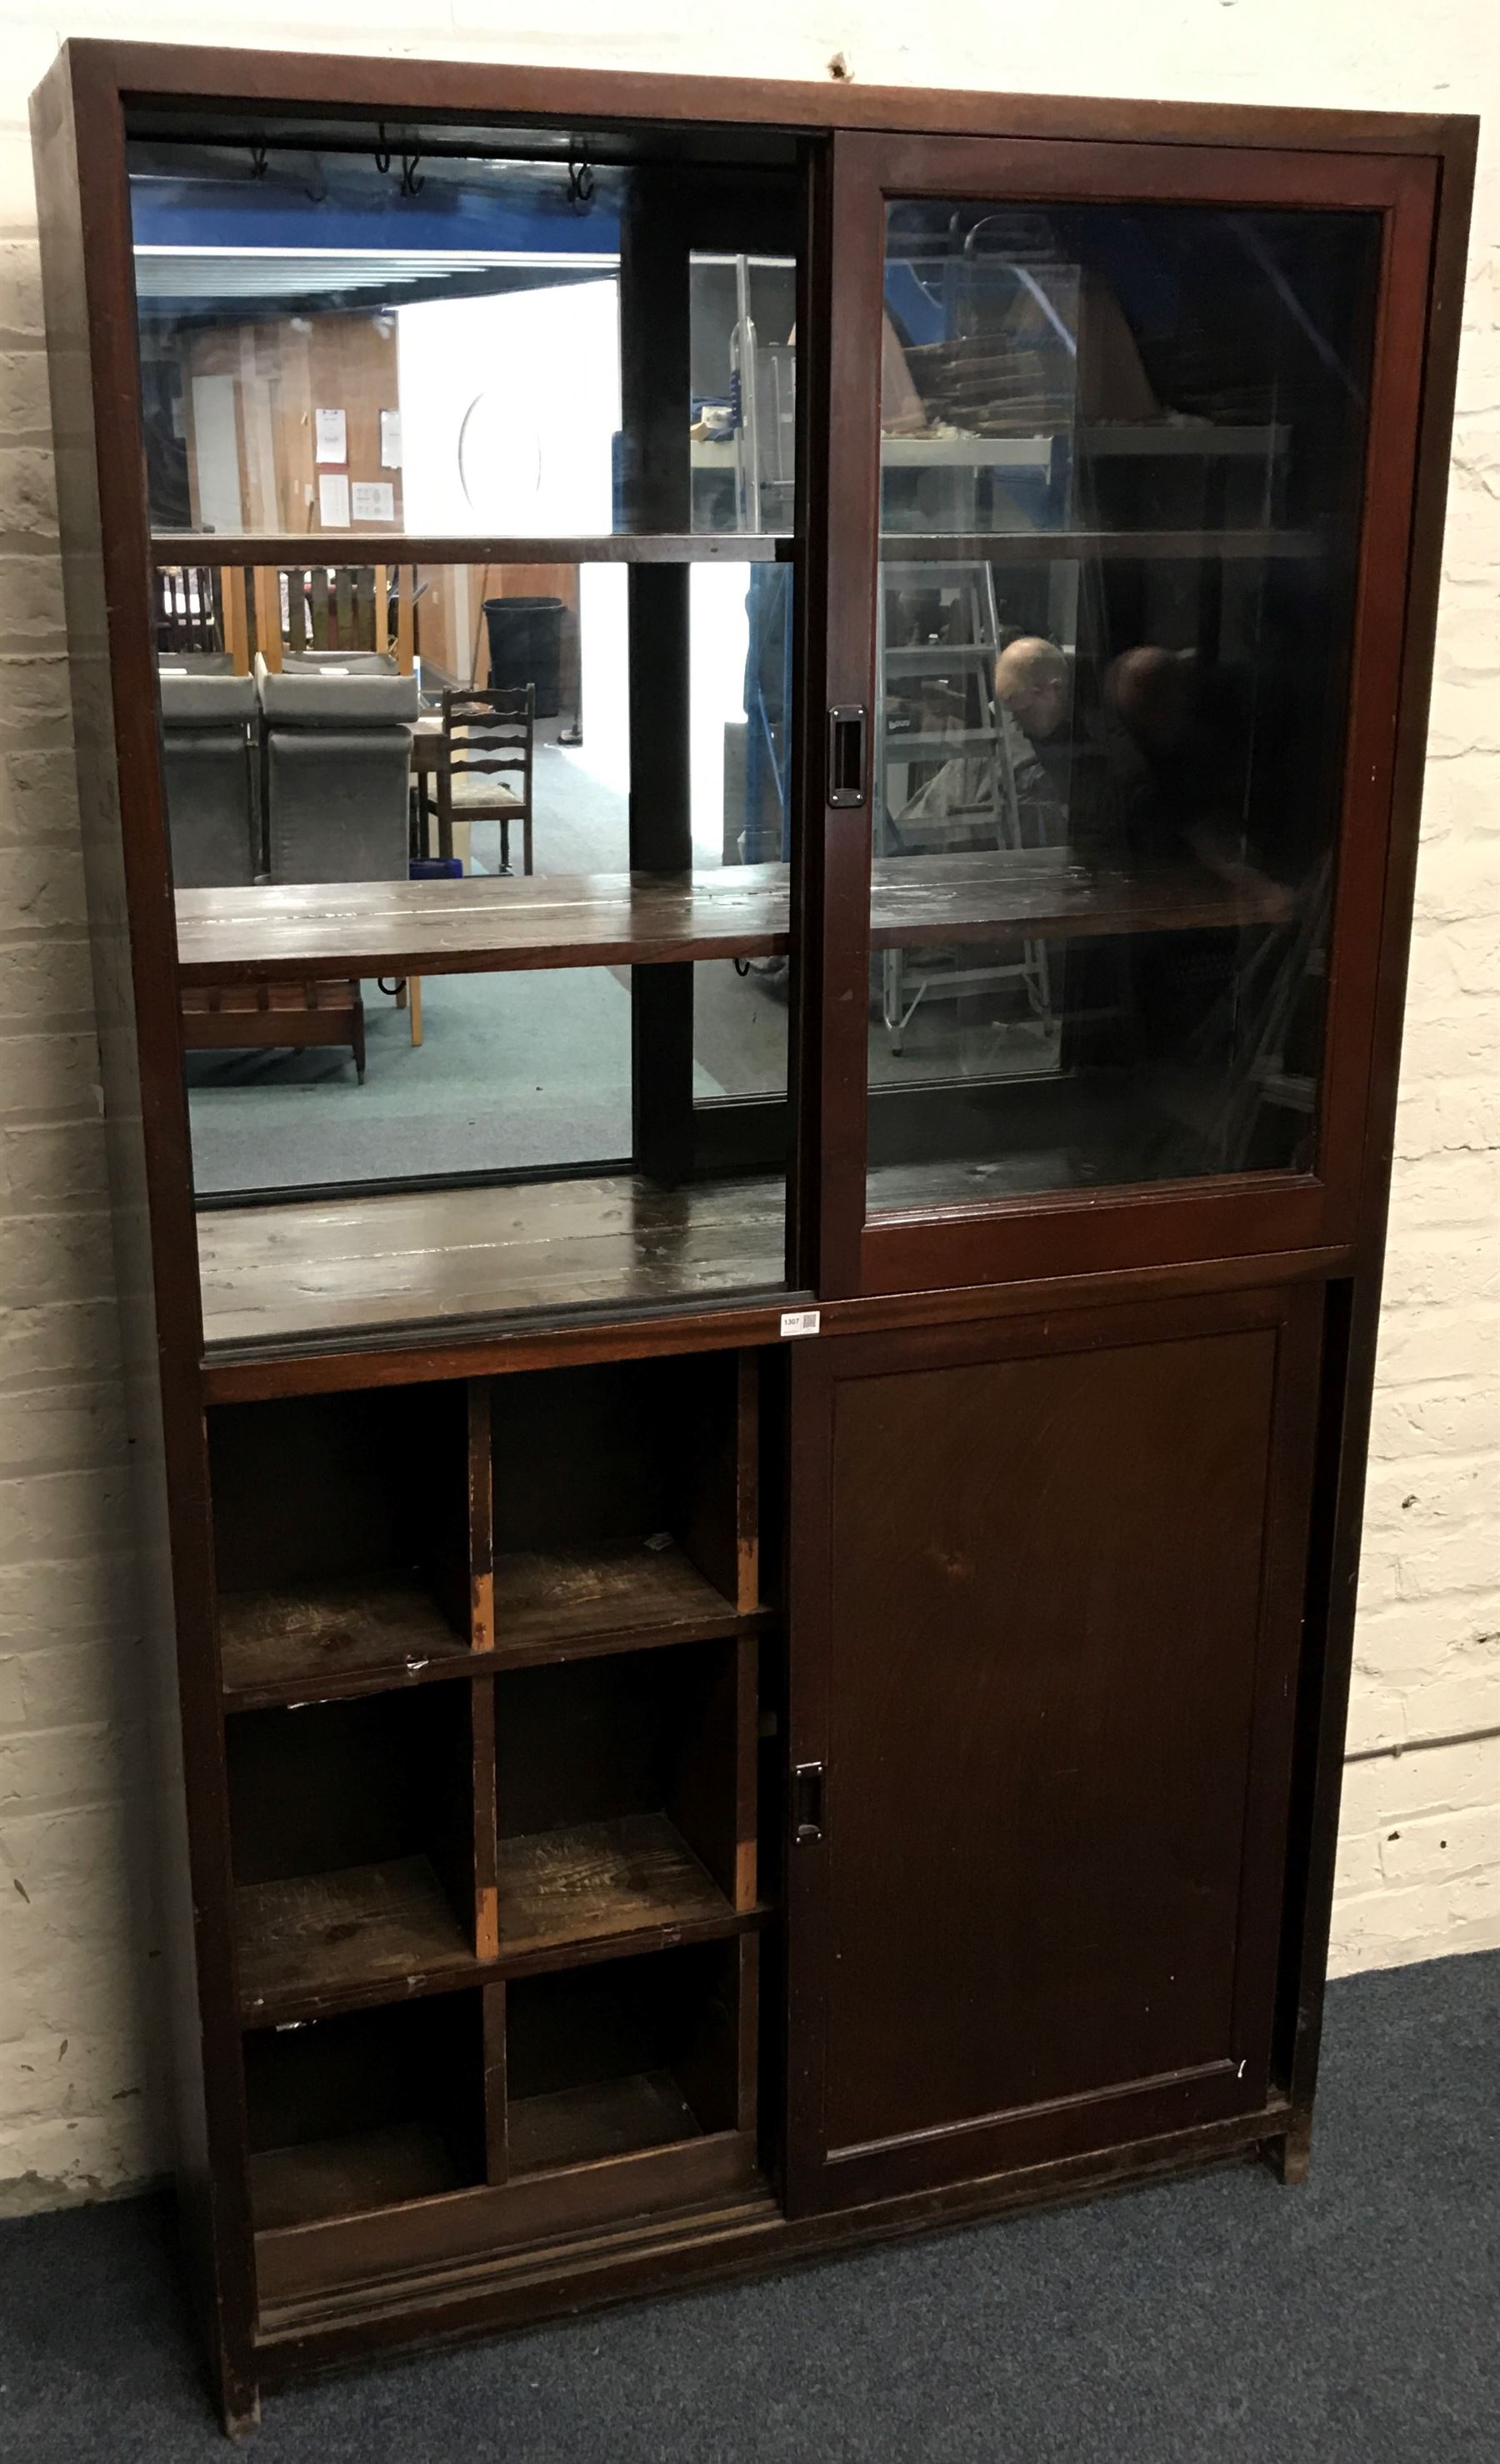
[208, 726]
[336, 760]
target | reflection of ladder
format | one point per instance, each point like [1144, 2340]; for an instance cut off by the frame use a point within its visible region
[980, 810]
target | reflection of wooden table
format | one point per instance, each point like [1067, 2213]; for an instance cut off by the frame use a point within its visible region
[377, 928]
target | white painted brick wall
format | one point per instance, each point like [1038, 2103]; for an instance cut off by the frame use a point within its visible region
[1422, 1831]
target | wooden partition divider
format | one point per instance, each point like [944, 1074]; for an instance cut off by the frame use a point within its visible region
[481, 1517]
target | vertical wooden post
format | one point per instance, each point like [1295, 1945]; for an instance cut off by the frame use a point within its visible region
[486, 1842]
[497, 2130]
[267, 586]
[405, 618]
[234, 603]
[481, 1518]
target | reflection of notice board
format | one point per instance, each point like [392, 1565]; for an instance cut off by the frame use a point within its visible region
[374, 500]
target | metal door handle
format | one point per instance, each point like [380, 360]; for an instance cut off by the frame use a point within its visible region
[806, 1802]
[847, 734]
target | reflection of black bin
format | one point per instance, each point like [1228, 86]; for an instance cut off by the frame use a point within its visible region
[527, 647]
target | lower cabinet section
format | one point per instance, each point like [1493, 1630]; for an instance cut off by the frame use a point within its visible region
[975, 1858]
[370, 2110]
[391, 2141]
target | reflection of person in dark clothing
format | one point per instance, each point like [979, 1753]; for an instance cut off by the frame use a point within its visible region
[1169, 766]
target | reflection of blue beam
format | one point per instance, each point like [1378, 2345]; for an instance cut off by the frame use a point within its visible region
[920, 317]
[188, 213]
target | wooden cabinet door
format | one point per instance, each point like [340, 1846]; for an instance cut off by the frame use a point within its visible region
[1113, 428]
[1046, 1601]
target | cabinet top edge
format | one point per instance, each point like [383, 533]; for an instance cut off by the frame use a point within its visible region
[245, 81]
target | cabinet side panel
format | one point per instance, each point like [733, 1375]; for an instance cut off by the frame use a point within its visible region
[85, 247]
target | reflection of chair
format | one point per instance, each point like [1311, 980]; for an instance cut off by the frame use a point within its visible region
[338, 756]
[487, 738]
[207, 716]
[336, 763]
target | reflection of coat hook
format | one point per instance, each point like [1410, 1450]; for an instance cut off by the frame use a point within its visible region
[580, 185]
[382, 151]
[410, 185]
[259, 162]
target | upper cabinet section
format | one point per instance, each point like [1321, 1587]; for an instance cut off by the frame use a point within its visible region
[472, 476]
[1124, 496]
[370, 340]
[757, 689]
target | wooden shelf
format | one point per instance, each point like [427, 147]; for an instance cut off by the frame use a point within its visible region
[348, 2175]
[581, 2125]
[599, 1882]
[264, 934]
[324, 1940]
[1126, 547]
[559, 1602]
[305, 1271]
[334, 1638]
[299, 549]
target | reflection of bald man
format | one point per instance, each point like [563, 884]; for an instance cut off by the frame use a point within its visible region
[1031, 683]
[1032, 690]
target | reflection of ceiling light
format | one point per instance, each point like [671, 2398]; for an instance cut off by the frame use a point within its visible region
[268, 273]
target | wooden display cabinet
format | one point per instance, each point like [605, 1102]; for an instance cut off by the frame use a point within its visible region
[782, 1679]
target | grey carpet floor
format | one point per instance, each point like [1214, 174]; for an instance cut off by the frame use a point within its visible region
[1219, 2320]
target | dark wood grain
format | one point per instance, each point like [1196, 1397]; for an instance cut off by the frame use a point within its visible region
[284, 1273]
[449, 928]
[332, 1639]
[471, 90]
[428, 2262]
[635, 1876]
[326, 2297]
[617, 1595]
[261, 934]
[579, 2126]
[1053, 1645]
[87, 272]
[1096, 547]
[385, 547]
[1355, 1303]
[628, 2195]
[309, 1943]
[344, 2176]
[543, 1342]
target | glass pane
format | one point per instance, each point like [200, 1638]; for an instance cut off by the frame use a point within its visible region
[544, 1075]
[743, 313]
[1121, 455]
[326, 347]
[481, 870]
